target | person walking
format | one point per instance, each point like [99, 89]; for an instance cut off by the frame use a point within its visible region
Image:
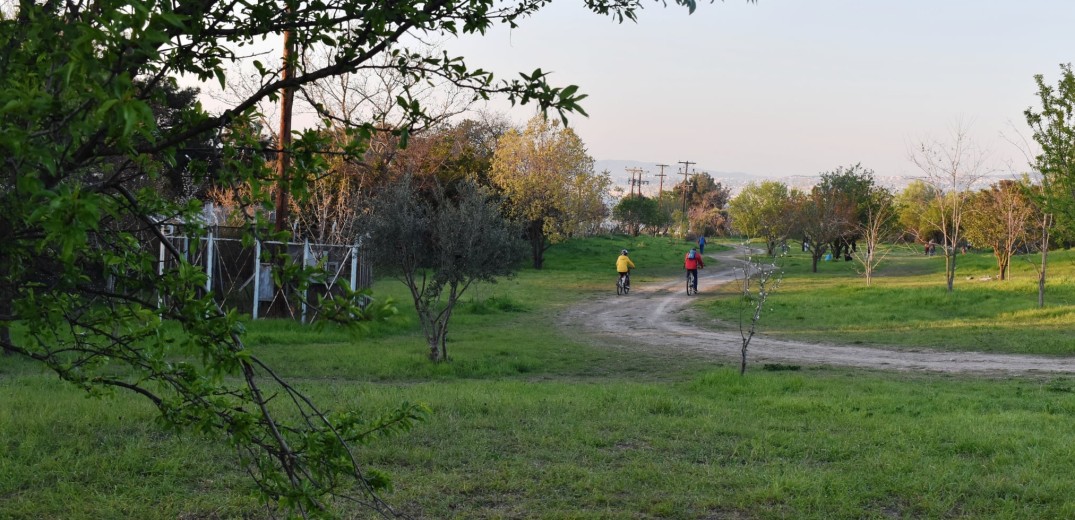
[701, 244]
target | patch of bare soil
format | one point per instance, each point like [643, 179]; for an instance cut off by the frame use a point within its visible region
[652, 317]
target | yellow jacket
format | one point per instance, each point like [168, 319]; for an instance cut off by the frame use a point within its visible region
[622, 263]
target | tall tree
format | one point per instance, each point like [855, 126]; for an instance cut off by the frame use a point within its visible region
[586, 208]
[536, 169]
[81, 151]
[951, 169]
[1053, 126]
[763, 210]
[1054, 130]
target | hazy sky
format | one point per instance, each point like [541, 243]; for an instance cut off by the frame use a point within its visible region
[792, 87]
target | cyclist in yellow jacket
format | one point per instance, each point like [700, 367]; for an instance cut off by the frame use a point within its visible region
[624, 266]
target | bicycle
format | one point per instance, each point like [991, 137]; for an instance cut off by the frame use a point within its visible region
[623, 284]
[692, 283]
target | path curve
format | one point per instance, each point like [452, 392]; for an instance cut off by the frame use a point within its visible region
[651, 317]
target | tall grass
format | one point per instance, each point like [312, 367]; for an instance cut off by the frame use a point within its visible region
[532, 419]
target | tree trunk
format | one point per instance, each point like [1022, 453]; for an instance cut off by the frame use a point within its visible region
[949, 266]
[816, 253]
[743, 354]
[1044, 257]
[537, 243]
[867, 266]
[434, 348]
[5, 339]
[5, 330]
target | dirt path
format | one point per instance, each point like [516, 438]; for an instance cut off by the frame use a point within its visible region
[652, 317]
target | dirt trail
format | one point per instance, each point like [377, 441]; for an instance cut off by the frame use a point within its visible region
[651, 317]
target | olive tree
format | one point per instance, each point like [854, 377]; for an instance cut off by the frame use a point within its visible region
[439, 244]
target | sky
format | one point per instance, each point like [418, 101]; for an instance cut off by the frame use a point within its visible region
[792, 87]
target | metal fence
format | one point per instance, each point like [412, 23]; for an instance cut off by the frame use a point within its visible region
[240, 276]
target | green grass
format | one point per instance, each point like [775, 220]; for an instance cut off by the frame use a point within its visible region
[908, 304]
[532, 421]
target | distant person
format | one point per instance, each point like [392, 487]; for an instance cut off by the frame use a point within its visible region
[701, 244]
[624, 266]
[692, 262]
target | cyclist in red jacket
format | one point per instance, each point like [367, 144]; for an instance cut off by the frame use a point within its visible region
[692, 262]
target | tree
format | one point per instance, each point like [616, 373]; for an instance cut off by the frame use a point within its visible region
[82, 153]
[855, 186]
[1003, 218]
[706, 201]
[1054, 130]
[535, 169]
[634, 212]
[760, 280]
[876, 226]
[951, 169]
[586, 209]
[439, 245]
[916, 210]
[763, 210]
[822, 218]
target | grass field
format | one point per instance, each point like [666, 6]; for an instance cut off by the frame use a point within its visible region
[529, 422]
[908, 304]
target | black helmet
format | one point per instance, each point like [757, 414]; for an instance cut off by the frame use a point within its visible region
[624, 252]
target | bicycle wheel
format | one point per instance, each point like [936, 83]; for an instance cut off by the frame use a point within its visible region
[619, 286]
[691, 287]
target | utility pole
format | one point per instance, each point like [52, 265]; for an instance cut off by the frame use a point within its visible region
[660, 189]
[283, 140]
[633, 182]
[686, 167]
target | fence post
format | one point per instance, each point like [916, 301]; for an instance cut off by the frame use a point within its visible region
[257, 276]
[160, 272]
[209, 263]
[354, 267]
[305, 260]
